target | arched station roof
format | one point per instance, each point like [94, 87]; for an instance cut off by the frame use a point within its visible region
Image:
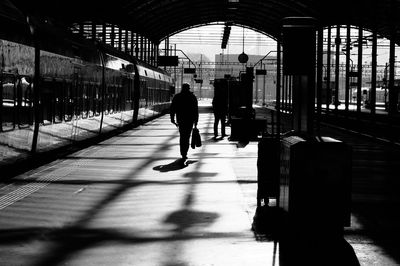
[157, 19]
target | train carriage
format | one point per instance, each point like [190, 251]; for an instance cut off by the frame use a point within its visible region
[84, 88]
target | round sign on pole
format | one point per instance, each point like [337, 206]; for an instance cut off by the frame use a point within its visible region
[243, 58]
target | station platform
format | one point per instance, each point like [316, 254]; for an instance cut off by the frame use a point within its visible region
[128, 201]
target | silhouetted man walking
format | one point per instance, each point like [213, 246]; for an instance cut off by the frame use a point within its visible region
[184, 105]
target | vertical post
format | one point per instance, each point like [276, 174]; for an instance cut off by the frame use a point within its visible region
[36, 93]
[320, 52]
[256, 89]
[299, 62]
[182, 75]
[201, 74]
[348, 91]
[132, 41]
[284, 93]
[167, 46]
[337, 62]
[81, 29]
[290, 95]
[93, 31]
[372, 93]
[175, 66]
[141, 47]
[103, 33]
[126, 42]
[137, 46]
[146, 50]
[278, 88]
[359, 77]
[152, 53]
[328, 70]
[263, 67]
[112, 36]
[157, 51]
[119, 39]
[149, 51]
[392, 93]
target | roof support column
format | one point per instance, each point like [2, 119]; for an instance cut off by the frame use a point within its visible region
[112, 36]
[149, 51]
[392, 93]
[320, 51]
[126, 42]
[372, 95]
[119, 39]
[299, 59]
[37, 92]
[166, 46]
[359, 77]
[81, 29]
[347, 85]
[141, 47]
[156, 52]
[137, 46]
[337, 61]
[328, 70]
[103, 33]
[278, 88]
[146, 50]
[152, 53]
[132, 45]
[93, 31]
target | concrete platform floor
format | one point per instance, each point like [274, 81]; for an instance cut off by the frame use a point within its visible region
[127, 201]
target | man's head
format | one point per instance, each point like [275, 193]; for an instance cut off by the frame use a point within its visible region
[185, 87]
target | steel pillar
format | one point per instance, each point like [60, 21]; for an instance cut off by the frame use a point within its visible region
[337, 62]
[112, 36]
[359, 69]
[392, 93]
[141, 47]
[328, 70]
[299, 67]
[278, 88]
[372, 94]
[120, 39]
[320, 51]
[347, 86]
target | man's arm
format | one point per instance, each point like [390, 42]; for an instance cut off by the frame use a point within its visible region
[196, 109]
[172, 111]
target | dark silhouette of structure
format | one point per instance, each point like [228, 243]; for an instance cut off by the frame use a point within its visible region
[184, 105]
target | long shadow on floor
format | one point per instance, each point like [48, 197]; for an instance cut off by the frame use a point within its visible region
[174, 166]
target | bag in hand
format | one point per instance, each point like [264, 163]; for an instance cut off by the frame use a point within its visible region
[196, 140]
